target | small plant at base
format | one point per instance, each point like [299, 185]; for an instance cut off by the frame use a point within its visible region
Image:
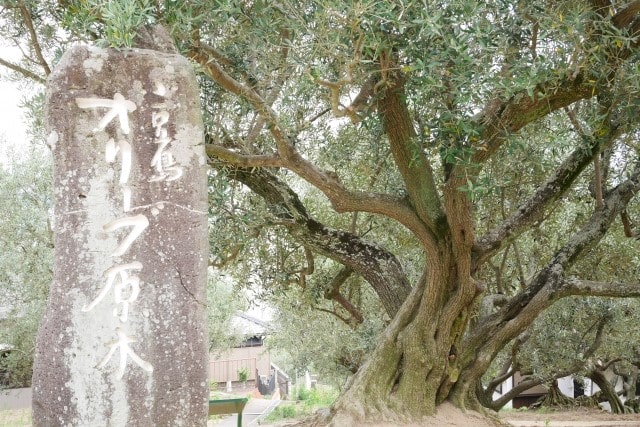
[243, 374]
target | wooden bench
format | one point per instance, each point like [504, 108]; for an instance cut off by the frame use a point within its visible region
[228, 406]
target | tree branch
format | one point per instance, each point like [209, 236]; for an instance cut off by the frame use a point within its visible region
[243, 160]
[380, 268]
[26, 16]
[626, 15]
[333, 293]
[500, 118]
[575, 286]
[204, 56]
[550, 284]
[28, 74]
[550, 191]
[341, 199]
[575, 367]
[412, 163]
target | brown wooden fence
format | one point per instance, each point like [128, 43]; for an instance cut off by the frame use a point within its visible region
[227, 370]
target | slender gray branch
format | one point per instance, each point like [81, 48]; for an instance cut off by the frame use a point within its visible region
[28, 74]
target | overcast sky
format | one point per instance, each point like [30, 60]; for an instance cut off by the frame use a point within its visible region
[12, 119]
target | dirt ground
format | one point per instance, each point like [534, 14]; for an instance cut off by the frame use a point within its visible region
[578, 417]
[449, 416]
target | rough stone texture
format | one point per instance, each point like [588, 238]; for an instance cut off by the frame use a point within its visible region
[75, 381]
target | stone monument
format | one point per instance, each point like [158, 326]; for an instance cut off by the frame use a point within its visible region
[124, 338]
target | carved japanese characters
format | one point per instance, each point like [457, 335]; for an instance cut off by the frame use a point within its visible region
[124, 339]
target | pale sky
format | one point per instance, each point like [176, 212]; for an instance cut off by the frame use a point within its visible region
[12, 118]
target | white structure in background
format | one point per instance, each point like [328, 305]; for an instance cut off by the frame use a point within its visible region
[565, 384]
[504, 388]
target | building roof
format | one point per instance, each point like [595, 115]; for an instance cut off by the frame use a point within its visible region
[248, 325]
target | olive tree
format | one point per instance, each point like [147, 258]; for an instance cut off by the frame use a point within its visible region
[25, 261]
[381, 136]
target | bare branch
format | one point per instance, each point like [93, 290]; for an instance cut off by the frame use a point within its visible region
[533, 208]
[26, 16]
[333, 293]
[575, 286]
[243, 160]
[28, 74]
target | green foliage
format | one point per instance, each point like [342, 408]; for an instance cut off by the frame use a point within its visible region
[123, 18]
[302, 342]
[315, 396]
[26, 259]
[307, 402]
[243, 374]
[463, 64]
[223, 303]
[114, 22]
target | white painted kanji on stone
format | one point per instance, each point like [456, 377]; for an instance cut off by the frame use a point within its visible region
[122, 344]
[118, 107]
[124, 338]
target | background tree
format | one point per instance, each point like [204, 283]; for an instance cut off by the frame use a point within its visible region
[223, 303]
[370, 127]
[26, 259]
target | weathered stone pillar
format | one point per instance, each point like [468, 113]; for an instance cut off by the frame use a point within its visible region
[124, 338]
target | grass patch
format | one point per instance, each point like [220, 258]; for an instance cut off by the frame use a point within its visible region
[15, 418]
[306, 403]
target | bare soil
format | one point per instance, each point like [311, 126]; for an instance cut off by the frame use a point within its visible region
[578, 417]
[450, 416]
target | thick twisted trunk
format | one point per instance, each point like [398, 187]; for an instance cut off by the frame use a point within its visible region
[416, 364]
[608, 391]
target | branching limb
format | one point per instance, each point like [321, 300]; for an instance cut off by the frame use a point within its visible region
[550, 284]
[533, 208]
[336, 87]
[28, 74]
[333, 293]
[411, 161]
[308, 269]
[575, 286]
[231, 255]
[243, 160]
[598, 181]
[579, 364]
[380, 268]
[500, 118]
[276, 86]
[341, 199]
[626, 225]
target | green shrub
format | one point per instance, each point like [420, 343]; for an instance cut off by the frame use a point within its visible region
[308, 401]
[243, 374]
[282, 412]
